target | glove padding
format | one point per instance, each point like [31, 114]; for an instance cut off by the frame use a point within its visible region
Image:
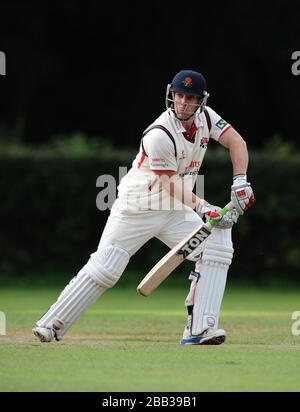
[241, 194]
[208, 211]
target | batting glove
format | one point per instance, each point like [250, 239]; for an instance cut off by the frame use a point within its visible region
[208, 211]
[241, 193]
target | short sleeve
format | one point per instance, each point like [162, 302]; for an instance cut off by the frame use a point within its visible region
[160, 151]
[218, 125]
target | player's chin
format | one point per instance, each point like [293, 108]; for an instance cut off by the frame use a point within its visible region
[184, 114]
[181, 115]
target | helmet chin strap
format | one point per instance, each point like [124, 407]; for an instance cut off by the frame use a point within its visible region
[183, 120]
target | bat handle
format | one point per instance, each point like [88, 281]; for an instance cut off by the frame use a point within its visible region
[229, 206]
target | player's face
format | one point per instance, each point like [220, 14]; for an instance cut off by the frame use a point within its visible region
[185, 104]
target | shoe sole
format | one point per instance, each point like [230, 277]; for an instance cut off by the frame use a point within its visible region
[218, 340]
[40, 336]
[215, 340]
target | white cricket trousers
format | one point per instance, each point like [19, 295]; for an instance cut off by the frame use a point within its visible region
[132, 230]
[124, 234]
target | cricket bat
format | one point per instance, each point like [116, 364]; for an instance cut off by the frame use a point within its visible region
[177, 255]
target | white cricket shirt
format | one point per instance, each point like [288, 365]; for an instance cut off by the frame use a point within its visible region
[140, 190]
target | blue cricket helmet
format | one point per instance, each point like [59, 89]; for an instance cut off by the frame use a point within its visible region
[189, 82]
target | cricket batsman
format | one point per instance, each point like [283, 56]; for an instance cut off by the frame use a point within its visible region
[156, 199]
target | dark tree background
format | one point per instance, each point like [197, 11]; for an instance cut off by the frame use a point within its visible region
[102, 67]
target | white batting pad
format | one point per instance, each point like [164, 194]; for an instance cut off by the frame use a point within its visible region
[209, 289]
[107, 264]
[81, 293]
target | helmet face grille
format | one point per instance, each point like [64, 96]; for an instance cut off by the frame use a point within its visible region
[190, 82]
[170, 102]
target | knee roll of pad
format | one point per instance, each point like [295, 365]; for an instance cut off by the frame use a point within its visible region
[217, 253]
[107, 265]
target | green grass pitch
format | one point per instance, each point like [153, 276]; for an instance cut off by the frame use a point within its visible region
[129, 343]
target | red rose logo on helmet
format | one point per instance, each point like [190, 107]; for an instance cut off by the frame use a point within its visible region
[187, 81]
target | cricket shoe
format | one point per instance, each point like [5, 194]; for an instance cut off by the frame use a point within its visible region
[209, 337]
[44, 334]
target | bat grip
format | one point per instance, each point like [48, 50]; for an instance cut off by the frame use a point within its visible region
[229, 206]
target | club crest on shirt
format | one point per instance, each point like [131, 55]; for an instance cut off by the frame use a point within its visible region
[204, 142]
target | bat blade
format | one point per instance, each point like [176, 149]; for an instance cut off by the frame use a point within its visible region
[173, 259]
[175, 256]
[159, 273]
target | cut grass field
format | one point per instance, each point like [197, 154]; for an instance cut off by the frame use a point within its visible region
[129, 343]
